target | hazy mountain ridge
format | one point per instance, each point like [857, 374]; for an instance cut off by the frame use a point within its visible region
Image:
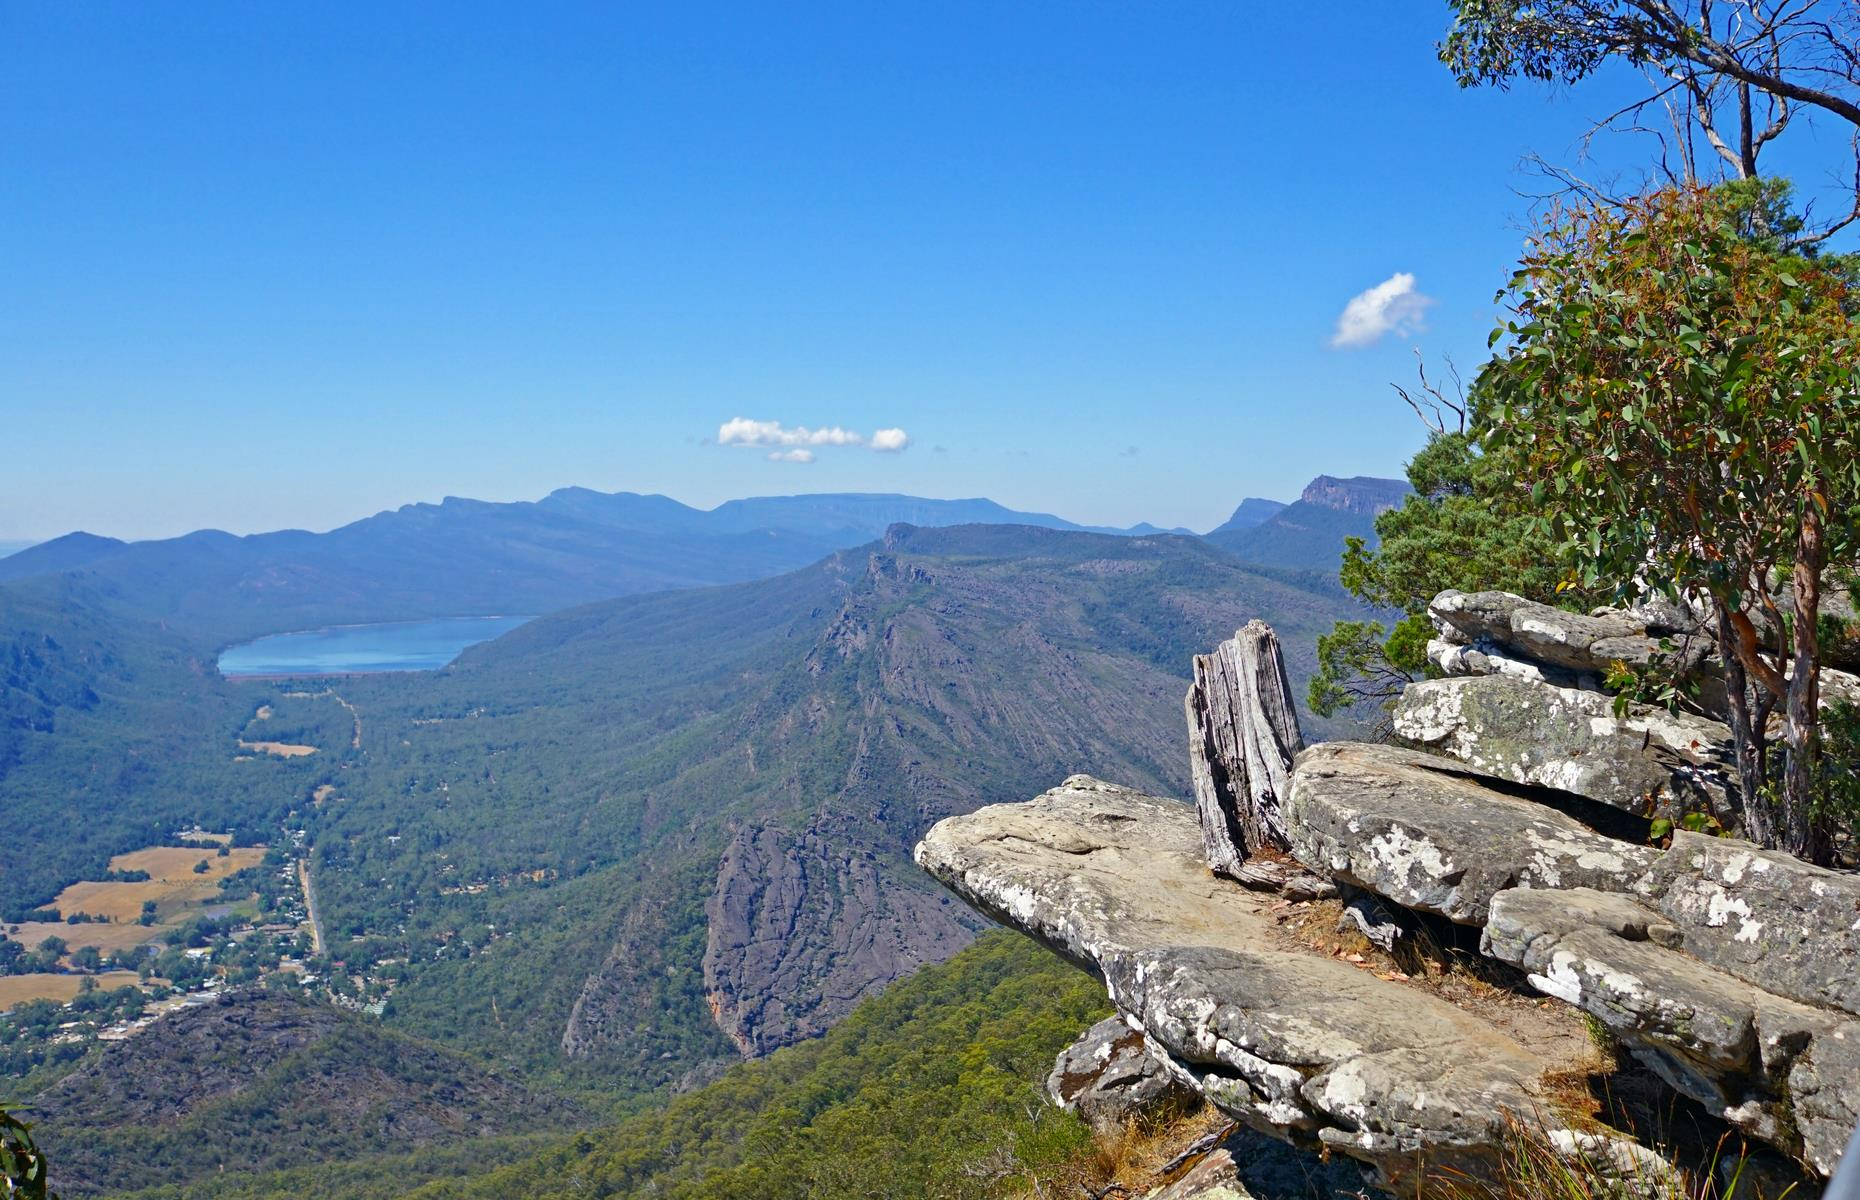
[464, 557]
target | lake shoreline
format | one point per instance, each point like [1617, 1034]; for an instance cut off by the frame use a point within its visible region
[379, 648]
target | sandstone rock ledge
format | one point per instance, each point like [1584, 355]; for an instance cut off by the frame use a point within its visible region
[1283, 1038]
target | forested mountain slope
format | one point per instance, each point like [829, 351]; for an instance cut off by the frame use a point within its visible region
[264, 1081]
[677, 813]
[930, 1089]
[113, 733]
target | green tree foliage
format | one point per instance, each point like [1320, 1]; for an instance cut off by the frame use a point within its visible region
[1684, 403]
[1462, 528]
[931, 1089]
[22, 1166]
[1739, 73]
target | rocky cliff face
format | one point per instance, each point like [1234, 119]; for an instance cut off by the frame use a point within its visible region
[1362, 494]
[946, 670]
[1518, 811]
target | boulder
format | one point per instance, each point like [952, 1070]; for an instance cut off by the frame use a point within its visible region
[1586, 644]
[1279, 1036]
[1784, 1071]
[1648, 761]
[1109, 1077]
[1431, 834]
[1763, 916]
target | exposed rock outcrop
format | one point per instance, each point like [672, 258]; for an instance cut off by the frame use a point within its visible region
[1499, 625]
[1728, 968]
[1109, 1077]
[1784, 1071]
[1282, 1037]
[1648, 761]
[1432, 835]
[1215, 1177]
[801, 928]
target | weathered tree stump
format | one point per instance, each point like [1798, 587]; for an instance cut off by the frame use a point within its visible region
[1242, 736]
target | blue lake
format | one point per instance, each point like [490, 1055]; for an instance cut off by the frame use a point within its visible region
[357, 649]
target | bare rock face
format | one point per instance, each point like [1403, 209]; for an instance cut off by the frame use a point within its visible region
[802, 928]
[1648, 761]
[1432, 835]
[1763, 916]
[1784, 1071]
[1242, 737]
[1284, 1039]
[1728, 968]
[1504, 625]
[1109, 1076]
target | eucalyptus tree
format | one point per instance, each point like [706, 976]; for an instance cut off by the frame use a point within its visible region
[1683, 402]
[1738, 73]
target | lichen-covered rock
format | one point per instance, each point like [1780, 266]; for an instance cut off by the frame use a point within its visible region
[1784, 1071]
[1648, 761]
[1763, 916]
[1281, 1037]
[1109, 1076]
[1433, 835]
[1585, 643]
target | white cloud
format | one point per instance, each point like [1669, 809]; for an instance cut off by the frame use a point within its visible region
[791, 441]
[1392, 306]
[741, 431]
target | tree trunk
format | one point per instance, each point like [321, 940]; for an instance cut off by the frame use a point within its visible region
[1242, 736]
[1802, 717]
[1747, 735]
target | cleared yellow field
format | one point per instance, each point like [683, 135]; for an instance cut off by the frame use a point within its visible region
[172, 884]
[279, 749]
[17, 989]
[176, 863]
[106, 938]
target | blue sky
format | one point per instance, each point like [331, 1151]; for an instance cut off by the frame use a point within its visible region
[265, 266]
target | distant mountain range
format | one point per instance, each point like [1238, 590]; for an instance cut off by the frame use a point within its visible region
[1252, 511]
[1311, 531]
[471, 557]
[10, 548]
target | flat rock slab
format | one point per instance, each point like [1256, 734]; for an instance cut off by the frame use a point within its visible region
[1784, 1071]
[1433, 835]
[1586, 644]
[1648, 761]
[1280, 1037]
[1763, 916]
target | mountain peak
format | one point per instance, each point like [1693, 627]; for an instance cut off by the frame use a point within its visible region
[1253, 510]
[1363, 494]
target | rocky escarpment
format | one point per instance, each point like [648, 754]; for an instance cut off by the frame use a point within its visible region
[1275, 1033]
[800, 929]
[1519, 810]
